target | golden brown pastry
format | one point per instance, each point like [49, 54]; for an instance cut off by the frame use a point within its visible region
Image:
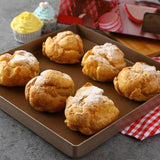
[103, 62]
[49, 91]
[89, 111]
[66, 48]
[139, 82]
[18, 69]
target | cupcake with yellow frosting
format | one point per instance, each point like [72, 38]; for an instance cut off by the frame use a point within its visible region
[26, 27]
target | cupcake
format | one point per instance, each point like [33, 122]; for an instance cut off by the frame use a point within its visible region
[26, 27]
[47, 15]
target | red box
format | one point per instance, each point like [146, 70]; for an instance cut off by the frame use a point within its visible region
[121, 16]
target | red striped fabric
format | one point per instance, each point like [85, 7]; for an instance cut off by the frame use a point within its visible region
[148, 125]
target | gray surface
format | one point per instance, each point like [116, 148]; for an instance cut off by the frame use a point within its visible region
[19, 143]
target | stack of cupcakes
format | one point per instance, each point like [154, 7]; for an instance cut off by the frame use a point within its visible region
[28, 26]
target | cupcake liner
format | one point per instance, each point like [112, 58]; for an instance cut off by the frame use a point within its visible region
[24, 38]
[49, 26]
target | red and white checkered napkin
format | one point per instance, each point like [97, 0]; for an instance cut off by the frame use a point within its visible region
[148, 125]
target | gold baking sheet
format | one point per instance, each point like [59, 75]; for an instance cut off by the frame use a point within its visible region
[51, 127]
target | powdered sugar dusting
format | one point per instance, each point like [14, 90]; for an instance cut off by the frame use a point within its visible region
[94, 99]
[147, 67]
[89, 96]
[23, 57]
[97, 58]
[90, 99]
[109, 50]
[85, 91]
[139, 67]
[64, 75]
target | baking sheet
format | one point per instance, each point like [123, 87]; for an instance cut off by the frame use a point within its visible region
[51, 127]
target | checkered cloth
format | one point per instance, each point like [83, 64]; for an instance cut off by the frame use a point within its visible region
[67, 12]
[70, 11]
[91, 8]
[66, 7]
[148, 125]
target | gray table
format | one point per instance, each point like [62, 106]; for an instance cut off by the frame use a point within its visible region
[19, 143]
